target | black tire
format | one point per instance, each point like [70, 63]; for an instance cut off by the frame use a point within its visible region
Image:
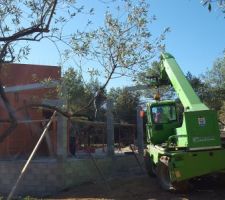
[150, 166]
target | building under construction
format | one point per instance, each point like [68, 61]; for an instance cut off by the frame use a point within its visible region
[73, 151]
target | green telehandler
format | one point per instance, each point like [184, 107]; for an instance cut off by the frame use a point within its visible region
[180, 151]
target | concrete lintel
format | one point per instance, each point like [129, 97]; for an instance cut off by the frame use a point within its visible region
[54, 102]
[32, 86]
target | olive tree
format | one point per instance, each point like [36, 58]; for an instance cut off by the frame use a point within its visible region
[124, 45]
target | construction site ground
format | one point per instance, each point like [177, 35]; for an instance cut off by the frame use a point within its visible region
[144, 187]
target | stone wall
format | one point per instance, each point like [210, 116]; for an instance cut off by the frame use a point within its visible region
[45, 177]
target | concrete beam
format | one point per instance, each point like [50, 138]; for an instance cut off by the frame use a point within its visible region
[33, 86]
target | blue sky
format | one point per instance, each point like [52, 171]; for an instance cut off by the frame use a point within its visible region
[196, 39]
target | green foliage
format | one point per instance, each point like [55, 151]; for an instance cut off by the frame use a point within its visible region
[216, 76]
[125, 104]
[146, 78]
[73, 89]
[77, 93]
[211, 87]
[197, 84]
[214, 93]
[154, 70]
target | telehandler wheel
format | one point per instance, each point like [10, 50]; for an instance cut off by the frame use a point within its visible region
[150, 166]
[163, 176]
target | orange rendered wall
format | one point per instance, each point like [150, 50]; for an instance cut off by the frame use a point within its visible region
[22, 140]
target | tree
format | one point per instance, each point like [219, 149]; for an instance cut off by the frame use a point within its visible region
[153, 71]
[125, 104]
[152, 77]
[73, 90]
[78, 93]
[215, 84]
[124, 45]
[197, 84]
[215, 77]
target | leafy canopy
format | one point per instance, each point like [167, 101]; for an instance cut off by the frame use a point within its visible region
[124, 45]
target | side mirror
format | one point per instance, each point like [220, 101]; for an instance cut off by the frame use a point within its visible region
[142, 113]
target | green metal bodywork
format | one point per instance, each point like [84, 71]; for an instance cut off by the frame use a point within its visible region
[184, 165]
[159, 133]
[193, 147]
[187, 165]
[188, 97]
[199, 130]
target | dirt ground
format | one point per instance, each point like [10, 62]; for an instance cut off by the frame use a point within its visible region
[144, 187]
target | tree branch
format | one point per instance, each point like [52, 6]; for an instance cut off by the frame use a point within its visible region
[24, 32]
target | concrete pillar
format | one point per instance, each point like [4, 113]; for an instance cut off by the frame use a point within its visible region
[110, 129]
[61, 151]
[61, 136]
[140, 132]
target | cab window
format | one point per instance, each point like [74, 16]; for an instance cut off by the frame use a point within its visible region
[163, 114]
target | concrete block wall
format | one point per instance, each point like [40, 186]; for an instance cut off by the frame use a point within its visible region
[46, 177]
[84, 170]
[41, 178]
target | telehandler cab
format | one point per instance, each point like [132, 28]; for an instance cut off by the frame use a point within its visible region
[177, 152]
